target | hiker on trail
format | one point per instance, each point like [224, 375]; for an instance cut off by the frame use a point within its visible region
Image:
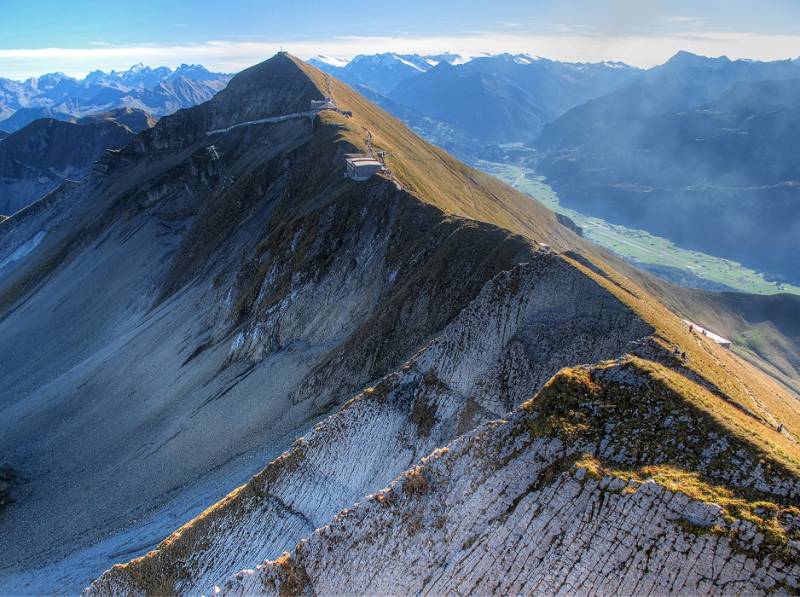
[704, 333]
[780, 428]
[691, 328]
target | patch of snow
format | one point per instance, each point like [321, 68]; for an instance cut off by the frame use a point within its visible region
[408, 63]
[707, 333]
[463, 58]
[237, 343]
[296, 239]
[332, 60]
[268, 282]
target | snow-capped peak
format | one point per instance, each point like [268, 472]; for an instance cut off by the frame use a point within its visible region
[190, 71]
[614, 64]
[331, 60]
[410, 63]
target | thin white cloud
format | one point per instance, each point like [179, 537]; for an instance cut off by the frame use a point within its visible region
[232, 56]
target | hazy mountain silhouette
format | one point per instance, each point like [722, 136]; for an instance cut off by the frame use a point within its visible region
[702, 151]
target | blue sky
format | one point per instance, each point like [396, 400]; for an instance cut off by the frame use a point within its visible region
[39, 36]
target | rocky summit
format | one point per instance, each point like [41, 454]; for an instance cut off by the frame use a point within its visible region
[423, 382]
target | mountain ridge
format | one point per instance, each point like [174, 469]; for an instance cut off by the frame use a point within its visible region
[258, 278]
[488, 513]
[39, 157]
[512, 97]
[167, 194]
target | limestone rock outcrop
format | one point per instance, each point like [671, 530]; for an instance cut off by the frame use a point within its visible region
[534, 505]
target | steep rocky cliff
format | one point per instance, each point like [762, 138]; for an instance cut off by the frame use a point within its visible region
[523, 326]
[212, 297]
[194, 283]
[597, 485]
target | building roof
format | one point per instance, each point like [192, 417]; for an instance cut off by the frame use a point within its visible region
[364, 162]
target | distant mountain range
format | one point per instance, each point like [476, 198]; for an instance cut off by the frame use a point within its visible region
[507, 98]
[381, 73]
[704, 151]
[158, 91]
[459, 102]
[54, 127]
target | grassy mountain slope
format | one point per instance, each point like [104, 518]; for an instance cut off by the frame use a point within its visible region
[598, 483]
[496, 349]
[191, 276]
[434, 176]
[618, 441]
[736, 381]
[764, 328]
[498, 205]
